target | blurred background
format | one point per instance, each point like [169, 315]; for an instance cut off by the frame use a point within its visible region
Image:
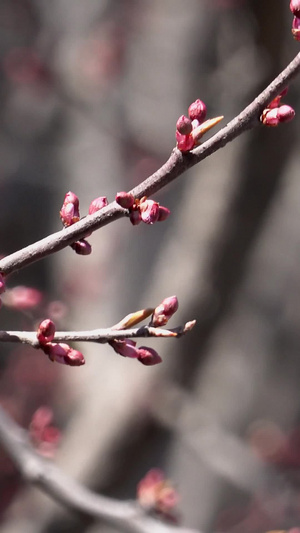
[90, 95]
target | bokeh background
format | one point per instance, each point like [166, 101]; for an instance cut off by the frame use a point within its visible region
[90, 94]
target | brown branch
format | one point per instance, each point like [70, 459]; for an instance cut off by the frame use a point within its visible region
[127, 516]
[101, 335]
[176, 165]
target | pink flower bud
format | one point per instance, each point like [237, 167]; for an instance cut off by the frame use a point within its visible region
[149, 211]
[125, 199]
[164, 311]
[125, 347]
[296, 28]
[97, 204]
[82, 247]
[185, 143]
[163, 213]
[184, 125]
[74, 358]
[269, 117]
[135, 217]
[148, 356]
[46, 331]
[285, 113]
[295, 7]
[22, 298]
[69, 212]
[2, 284]
[197, 110]
[63, 354]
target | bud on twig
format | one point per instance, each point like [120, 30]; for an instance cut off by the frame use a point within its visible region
[69, 212]
[296, 28]
[295, 7]
[197, 111]
[82, 247]
[148, 356]
[164, 311]
[125, 347]
[63, 354]
[46, 331]
[97, 204]
[149, 211]
[125, 199]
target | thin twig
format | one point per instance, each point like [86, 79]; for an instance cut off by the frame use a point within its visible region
[176, 165]
[35, 469]
[101, 335]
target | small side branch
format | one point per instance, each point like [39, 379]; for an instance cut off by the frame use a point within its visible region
[101, 335]
[128, 516]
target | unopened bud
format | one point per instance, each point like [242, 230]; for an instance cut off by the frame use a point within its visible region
[269, 117]
[149, 211]
[2, 284]
[82, 247]
[135, 217]
[164, 311]
[63, 354]
[197, 110]
[184, 125]
[125, 199]
[97, 204]
[69, 212]
[296, 28]
[125, 347]
[295, 7]
[148, 356]
[163, 213]
[185, 143]
[46, 331]
[285, 113]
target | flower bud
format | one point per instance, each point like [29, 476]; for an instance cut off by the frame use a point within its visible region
[285, 113]
[82, 247]
[184, 125]
[125, 199]
[164, 311]
[295, 7]
[46, 331]
[2, 284]
[185, 143]
[125, 347]
[97, 204]
[135, 217]
[269, 117]
[22, 298]
[197, 110]
[149, 211]
[148, 357]
[163, 213]
[296, 28]
[69, 212]
[63, 354]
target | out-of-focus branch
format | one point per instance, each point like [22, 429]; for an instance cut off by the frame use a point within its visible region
[176, 165]
[35, 469]
[101, 335]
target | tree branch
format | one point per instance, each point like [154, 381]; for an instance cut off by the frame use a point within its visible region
[101, 335]
[37, 470]
[176, 165]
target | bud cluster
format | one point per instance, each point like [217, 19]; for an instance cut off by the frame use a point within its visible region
[160, 317]
[69, 215]
[127, 348]
[59, 352]
[143, 210]
[156, 493]
[190, 130]
[276, 112]
[295, 9]
[43, 435]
